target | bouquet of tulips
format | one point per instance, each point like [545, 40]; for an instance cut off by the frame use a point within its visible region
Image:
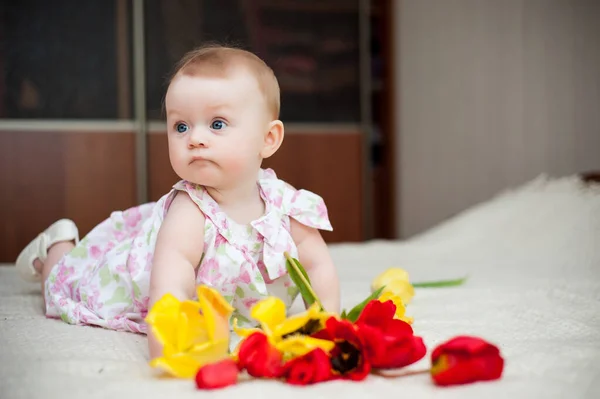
[315, 346]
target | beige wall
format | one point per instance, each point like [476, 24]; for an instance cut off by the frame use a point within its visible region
[491, 94]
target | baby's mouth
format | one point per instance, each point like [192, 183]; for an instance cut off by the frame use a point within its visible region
[198, 160]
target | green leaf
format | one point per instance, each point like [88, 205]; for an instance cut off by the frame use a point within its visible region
[440, 283]
[355, 311]
[344, 315]
[300, 278]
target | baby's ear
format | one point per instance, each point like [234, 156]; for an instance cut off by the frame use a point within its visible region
[273, 139]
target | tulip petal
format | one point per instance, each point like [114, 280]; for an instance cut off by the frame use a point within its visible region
[210, 352]
[270, 312]
[311, 368]
[465, 359]
[217, 375]
[299, 345]
[191, 328]
[186, 364]
[306, 323]
[400, 308]
[217, 301]
[192, 333]
[390, 275]
[180, 365]
[377, 313]
[259, 357]
[402, 289]
[374, 343]
[216, 313]
[291, 325]
[244, 332]
[163, 318]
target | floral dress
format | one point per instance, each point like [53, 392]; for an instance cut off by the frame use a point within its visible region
[104, 281]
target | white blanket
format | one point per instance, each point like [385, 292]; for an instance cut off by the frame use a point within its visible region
[533, 260]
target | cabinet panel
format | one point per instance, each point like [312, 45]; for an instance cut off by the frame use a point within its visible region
[46, 176]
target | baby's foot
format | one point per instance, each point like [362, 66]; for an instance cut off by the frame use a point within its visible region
[31, 260]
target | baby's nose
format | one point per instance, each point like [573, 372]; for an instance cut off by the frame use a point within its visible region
[197, 138]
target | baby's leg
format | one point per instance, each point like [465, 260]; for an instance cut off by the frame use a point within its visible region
[55, 253]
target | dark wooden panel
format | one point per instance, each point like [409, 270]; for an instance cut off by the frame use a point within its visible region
[32, 190]
[328, 164]
[46, 176]
[385, 201]
[99, 176]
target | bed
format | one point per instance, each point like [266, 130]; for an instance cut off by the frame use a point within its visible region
[532, 255]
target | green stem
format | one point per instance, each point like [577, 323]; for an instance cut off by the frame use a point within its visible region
[440, 283]
[395, 374]
[301, 275]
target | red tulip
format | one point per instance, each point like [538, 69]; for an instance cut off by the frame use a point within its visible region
[348, 358]
[310, 368]
[463, 360]
[217, 375]
[257, 356]
[389, 342]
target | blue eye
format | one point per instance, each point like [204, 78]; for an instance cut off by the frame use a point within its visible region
[181, 127]
[218, 125]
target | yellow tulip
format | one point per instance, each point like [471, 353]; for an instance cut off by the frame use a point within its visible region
[288, 335]
[396, 281]
[192, 333]
[400, 309]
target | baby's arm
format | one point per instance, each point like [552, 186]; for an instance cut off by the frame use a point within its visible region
[314, 256]
[179, 247]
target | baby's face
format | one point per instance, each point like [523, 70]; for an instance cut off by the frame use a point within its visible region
[216, 128]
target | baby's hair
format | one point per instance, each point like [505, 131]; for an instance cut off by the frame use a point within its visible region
[216, 60]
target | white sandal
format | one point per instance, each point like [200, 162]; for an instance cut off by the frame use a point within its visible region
[62, 230]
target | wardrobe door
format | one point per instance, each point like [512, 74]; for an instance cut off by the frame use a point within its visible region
[67, 142]
[314, 48]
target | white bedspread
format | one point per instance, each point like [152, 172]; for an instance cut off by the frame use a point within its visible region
[533, 257]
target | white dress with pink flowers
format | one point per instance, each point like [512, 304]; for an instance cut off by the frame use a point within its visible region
[104, 280]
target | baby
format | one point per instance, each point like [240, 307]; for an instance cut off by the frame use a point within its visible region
[226, 224]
